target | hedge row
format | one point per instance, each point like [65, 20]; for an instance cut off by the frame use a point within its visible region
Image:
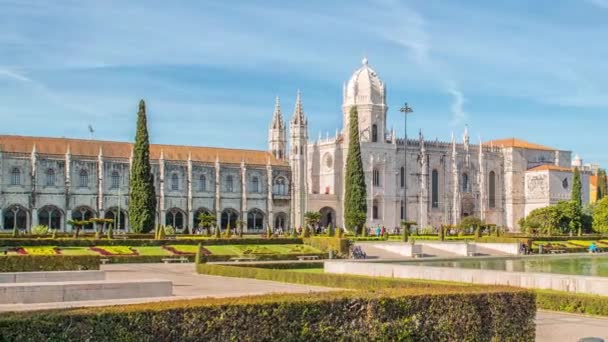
[325, 244]
[324, 279]
[31, 263]
[285, 265]
[572, 302]
[26, 242]
[259, 257]
[501, 315]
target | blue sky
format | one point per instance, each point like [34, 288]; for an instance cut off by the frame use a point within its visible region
[209, 70]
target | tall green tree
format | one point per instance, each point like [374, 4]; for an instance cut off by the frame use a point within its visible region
[602, 185]
[355, 210]
[600, 216]
[142, 196]
[577, 187]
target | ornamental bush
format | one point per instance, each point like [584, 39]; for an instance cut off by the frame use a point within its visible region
[31, 263]
[40, 229]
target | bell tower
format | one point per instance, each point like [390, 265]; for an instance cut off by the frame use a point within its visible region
[277, 136]
[298, 138]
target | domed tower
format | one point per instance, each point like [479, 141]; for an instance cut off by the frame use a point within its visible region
[298, 138]
[367, 92]
[277, 136]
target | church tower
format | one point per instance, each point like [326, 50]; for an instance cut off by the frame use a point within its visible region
[277, 136]
[298, 134]
[367, 92]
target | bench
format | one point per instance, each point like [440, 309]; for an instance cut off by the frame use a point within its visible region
[308, 257]
[237, 259]
[557, 251]
[104, 261]
[170, 260]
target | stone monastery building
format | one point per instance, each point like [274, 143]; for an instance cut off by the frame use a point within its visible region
[48, 181]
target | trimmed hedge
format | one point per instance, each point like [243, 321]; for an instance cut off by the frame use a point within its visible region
[324, 279]
[326, 244]
[389, 315]
[32, 263]
[27, 242]
[285, 265]
[572, 302]
[259, 257]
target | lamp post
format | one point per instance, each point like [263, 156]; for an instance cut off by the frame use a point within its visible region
[405, 110]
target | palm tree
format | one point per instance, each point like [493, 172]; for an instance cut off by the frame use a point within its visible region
[312, 219]
[206, 220]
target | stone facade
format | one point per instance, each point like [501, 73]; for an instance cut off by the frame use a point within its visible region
[441, 182]
[62, 179]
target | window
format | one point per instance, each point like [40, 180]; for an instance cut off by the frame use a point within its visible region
[565, 183]
[175, 218]
[229, 183]
[375, 210]
[402, 210]
[280, 187]
[255, 185]
[174, 182]
[376, 177]
[83, 214]
[492, 197]
[374, 133]
[15, 216]
[228, 218]
[255, 219]
[465, 182]
[50, 216]
[15, 176]
[50, 177]
[202, 183]
[83, 180]
[115, 180]
[435, 189]
[402, 177]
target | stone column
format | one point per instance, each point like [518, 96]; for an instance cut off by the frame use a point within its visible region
[33, 201]
[269, 205]
[243, 192]
[482, 183]
[423, 204]
[161, 163]
[189, 202]
[455, 187]
[218, 182]
[100, 183]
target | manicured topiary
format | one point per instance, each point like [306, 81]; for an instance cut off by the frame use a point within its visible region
[355, 194]
[268, 231]
[197, 257]
[15, 231]
[111, 231]
[54, 236]
[218, 232]
[405, 233]
[441, 233]
[142, 196]
[330, 230]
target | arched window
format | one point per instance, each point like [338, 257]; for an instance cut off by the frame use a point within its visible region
[83, 180]
[83, 214]
[50, 177]
[119, 218]
[50, 216]
[255, 219]
[374, 133]
[435, 189]
[402, 210]
[492, 197]
[402, 177]
[376, 177]
[15, 216]
[280, 221]
[115, 180]
[175, 218]
[15, 176]
[202, 183]
[229, 183]
[229, 217]
[280, 188]
[375, 210]
[465, 182]
[196, 221]
[254, 186]
[174, 182]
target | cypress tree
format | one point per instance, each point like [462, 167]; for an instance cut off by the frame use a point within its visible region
[355, 205]
[577, 196]
[142, 197]
[602, 186]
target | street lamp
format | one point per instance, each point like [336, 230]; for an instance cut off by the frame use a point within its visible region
[405, 110]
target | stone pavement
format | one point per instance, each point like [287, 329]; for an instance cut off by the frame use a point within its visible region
[557, 327]
[186, 285]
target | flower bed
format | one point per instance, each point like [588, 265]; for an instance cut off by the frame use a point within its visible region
[185, 250]
[41, 250]
[114, 250]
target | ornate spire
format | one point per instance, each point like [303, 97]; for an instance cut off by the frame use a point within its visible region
[465, 137]
[277, 116]
[298, 113]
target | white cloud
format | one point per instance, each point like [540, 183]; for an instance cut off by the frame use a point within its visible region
[457, 106]
[13, 75]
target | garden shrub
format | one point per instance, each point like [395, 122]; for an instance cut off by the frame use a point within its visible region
[572, 302]
[31, 263]
[70, 242]
[341, 246]
[503, 315]
[40, 230]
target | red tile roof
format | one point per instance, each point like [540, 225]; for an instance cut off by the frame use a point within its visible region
[550, 167]
[116, 149]
[517, 143]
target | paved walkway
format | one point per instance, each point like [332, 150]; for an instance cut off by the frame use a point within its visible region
[186, 285]
[556, 326]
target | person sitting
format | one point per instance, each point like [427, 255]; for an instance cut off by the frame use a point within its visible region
[593, 248]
